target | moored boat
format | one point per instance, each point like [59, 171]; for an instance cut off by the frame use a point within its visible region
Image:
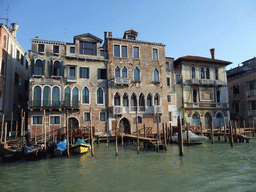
[193, 138]
[80, 147]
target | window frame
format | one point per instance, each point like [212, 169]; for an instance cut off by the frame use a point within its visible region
[40, 49]
[82, 48]
[88, 115]
[84, 72]
[104, 116]
[133, 51]
[155, 55]
[32, 122]
[54, 47]
[50, 117]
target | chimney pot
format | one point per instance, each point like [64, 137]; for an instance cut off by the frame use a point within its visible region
[37, 37]
[110, 34]
[212, 53]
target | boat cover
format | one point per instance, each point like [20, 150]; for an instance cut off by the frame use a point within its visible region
[80, 141]
[29, 150]
[62, 145]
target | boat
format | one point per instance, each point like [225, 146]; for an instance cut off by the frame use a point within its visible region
[11, 153]
[80, 147]
[193, 138]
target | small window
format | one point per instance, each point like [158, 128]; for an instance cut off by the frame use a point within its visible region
[253, 105]
[86, 117]
[100, 96]
[84, 72]
[21, 59]
[131, 37]
[72, 72]
[117, 72]
[102, 116]
[202, 73]
[39, 67]
[193, 73]
[37, 120]
[116, 50]
[170, 116]
[4, 42]
[56, 49]
[16, 79]
[101, 52]
[157, 119]
[55, 120]
[156, 76]
[178, 79]
[207, 73]
[20, 81]
[155, 54]
[194, 96]
[102, 73]
[251, 85]
[169, 98]
[18, 55]
[167, 65]
[124, 72]
[236, 107]
[139, 120]
[218, 96]
[40, 48]
[57, 68]
[72, 49]
[216, 74]
[26, 64]
[124, 51]
[236, 89]
[136, 74]
[168, 81]
[136, 53]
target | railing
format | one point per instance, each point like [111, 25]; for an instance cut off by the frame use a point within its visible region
[53, 104]
[206, 82]
[158, 109]
[252, 112]
[219, 82]
[141, 109]
[193, 81]
[122, 81]
[251, 92]
[71, 79]
[206, 105]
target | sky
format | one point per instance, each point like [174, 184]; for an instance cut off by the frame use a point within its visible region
[186, 27]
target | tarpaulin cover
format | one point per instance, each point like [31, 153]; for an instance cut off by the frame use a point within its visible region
[62, 145]
[80, 141]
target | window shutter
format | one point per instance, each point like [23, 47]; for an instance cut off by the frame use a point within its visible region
[88, 73]
[32, 67]
[99, 75]
[43, 66]
[62, 68]
[80, 72]
[50, 68]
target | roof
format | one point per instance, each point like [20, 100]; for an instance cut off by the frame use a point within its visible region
[130, 31]
[90, 36]
[200, 60]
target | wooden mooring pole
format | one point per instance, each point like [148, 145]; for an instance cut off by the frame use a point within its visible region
[5, 134]
[67, 135]
[170, 133]
[157, 134]
[35, 133]
[16, 133]
[219, 130]
[188, 126]
[164, 135]
[92, 131]
[2, 128]
[180, 137]
[212, 133]
[225, 133]
[231, 133]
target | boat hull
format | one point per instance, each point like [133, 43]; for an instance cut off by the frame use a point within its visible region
[193, 138]
[80, 149]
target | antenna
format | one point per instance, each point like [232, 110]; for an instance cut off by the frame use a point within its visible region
[7, 15]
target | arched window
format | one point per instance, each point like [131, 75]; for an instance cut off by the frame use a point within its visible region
[56, 96]
[100, 96]
[196, 119]
[216, 74]
[117, 99]
[57, 68]
[75, 97]
[157, 99]
[124, 72]
[156, 75]
[46, 96]
[4, 41]
[133, 100]
[2, 67]
[202, 73]
[136, 74]
[149, 100]
[67, 96]
[207, 73]
[218, 96]
[142, 102]
[125, 100]
[194, 96]
[85, 95]
[193, 73]
[39, 67]
[117, 72]
[37, 96]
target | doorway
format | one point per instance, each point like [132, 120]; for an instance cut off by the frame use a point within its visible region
[124, 124]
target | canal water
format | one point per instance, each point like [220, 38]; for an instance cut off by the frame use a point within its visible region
[206, 167]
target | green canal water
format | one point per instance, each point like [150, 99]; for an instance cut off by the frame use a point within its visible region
[206, 167]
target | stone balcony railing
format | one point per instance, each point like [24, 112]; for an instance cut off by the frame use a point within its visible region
[52, 104]
[251, 93]
[71, 79]
[121, 81]
[193, 81]
[206, 82]
[252, 112]
[206, 105]
[141, 109]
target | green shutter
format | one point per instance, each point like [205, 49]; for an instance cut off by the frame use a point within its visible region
[80, 72]
[99, 75]
[43, 66]
[62, 68]
[50, 68]
[32, 67]
[88, 73]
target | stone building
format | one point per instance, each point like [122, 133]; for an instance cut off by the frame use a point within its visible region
[14, 75]
[242, 92]
[201, 90]
[137, 82]
[67, 82]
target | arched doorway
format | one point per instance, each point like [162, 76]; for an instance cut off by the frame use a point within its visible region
[125, 125]
[219, 118]
[73, 122]
[208, 120]
[196, 119]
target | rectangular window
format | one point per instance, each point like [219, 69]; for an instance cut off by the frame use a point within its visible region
[55, 120]
[131, 37]
[84, 72]
[102, 73]
[88, 48]
[18, 55]
[136, 52]
[86, 117]
[169, 98]
[72, 49]
[37, 120]
[177, 79]
[55, 49]
[124, 51]
[253, 105]
[157, 119]
[236, 107]
[167, 65]
[21, 59]
[155, 54]
[170, 116]
[72, 72]
[216, 74]
[16, 79]
[102, 116]
[20, 81]
[1, 100]
[101, 52]
[40, 48]
[236, 89]
[251, 85]
[116, 50]
[168, 81]
[26, 64]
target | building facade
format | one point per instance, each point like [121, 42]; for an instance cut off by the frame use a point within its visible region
[201, 90]
[242, 92]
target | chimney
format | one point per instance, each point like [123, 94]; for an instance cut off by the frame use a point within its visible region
[105, 35]
[37, 37]
[110, 34]
[29, 53]
[15, 27]
[212, 52]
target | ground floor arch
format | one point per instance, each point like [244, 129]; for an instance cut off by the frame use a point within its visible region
[208, 120]
[125, 125]
[195, 119]
[219, 119]
[73, 122]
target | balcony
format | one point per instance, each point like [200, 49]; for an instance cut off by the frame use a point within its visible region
[219, 82]
[206, 82]
[141, 109]
[71, 79]
[193, 81]
[71, 105]
[251, 93]
[206, 105]
[252, 112]
[121, 81]
[37, 104]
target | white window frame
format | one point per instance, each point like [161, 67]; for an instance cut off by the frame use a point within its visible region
[157, 54]
[133, 52]
[89, 116]
[32, 118]
[54, 116]
[104, 116]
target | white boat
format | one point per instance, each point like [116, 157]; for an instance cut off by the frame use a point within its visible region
[193, 138]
